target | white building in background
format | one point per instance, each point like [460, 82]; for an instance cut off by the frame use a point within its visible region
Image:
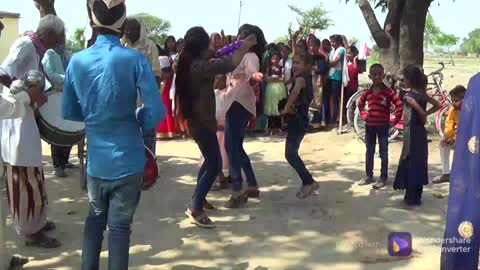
[9, 33]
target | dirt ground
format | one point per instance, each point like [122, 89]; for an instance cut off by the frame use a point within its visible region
[343, 227]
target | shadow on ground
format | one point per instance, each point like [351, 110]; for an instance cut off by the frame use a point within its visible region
[342, 227]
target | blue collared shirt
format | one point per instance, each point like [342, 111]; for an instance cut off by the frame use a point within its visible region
[100, 89]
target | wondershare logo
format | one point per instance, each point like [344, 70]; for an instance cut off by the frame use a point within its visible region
[400, 244]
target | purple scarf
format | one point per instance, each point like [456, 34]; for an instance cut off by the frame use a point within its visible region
[38, 47]
[37, 43]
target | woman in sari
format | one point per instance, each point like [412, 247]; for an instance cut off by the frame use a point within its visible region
[461, 246]
[167, 128]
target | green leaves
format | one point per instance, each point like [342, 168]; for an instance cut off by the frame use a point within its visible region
[434, 36]
[472, 43]
[312, 19]
[157, 28]
[77, 42]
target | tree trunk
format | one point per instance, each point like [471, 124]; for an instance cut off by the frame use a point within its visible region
[412, 29]
[401, 40]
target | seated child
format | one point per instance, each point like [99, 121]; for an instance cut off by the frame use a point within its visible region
[450, 134]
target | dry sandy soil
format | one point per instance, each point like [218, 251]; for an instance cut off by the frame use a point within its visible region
[343, 227]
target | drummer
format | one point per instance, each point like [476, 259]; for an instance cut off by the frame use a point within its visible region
[54, 63]
[21, 144]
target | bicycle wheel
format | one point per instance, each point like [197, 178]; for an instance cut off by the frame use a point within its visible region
[360, 129]
[359, 126]
[441, 118]
[352, 106]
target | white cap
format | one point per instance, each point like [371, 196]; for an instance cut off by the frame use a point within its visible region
[164, 62]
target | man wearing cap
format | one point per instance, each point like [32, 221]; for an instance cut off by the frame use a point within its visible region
[100, 89]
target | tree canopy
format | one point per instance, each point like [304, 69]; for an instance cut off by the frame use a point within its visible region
[77, 42]
[312, 19]
[434, 36]
[157, 28]
[472, 43]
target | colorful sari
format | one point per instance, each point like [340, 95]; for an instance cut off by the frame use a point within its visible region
[462, 240]
[166, 129]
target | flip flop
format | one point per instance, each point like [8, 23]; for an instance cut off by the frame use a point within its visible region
[49, 226]
[302, 194]
[208, 206]
[202, 221]
[42, 241]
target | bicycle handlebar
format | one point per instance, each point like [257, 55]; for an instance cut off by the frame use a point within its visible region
[438, 71]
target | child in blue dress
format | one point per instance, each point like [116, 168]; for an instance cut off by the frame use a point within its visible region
[412, 173]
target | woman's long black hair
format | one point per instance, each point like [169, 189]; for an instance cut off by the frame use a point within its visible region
[248, 29]
[416, 77]
[196, 43]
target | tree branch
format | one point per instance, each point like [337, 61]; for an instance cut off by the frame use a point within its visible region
[378, 33]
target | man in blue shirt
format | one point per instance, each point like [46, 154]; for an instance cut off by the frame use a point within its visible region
[100, 89]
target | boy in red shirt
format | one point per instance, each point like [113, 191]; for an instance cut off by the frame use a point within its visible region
[377, 120]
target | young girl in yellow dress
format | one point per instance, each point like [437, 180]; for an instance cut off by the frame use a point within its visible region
[275, 92]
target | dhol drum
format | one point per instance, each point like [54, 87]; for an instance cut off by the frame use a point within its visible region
[151, 171]
[53, 128]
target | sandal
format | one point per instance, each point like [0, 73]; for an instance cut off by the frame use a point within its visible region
[201, 220]
[221, 185]
[18, 261]
[253, 193]
[208, 206]
[42, 241]
[445, 178]
[380, 184]
[366, 181]
[236, 202]
[71, 166]
[50, 226]
[306, 191]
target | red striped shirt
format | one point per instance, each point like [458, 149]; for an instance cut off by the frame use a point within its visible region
[379, 106]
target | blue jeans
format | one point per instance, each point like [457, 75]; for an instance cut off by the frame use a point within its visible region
[112, 203]
[296, 132]
[235, 127]
[371, 135]
[212, 165]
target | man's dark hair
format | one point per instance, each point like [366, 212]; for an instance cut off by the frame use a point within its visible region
[354, 49]
[2, 26]
[377, 67]
[458, 91]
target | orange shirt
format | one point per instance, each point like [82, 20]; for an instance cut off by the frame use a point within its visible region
[451, 123]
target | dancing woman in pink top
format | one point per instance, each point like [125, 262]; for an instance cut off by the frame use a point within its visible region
[241, 108]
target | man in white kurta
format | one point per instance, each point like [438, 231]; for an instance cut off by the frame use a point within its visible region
[21, 144]
[10, 107]
[13, 106]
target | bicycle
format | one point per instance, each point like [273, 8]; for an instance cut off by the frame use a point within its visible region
[439, 93]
